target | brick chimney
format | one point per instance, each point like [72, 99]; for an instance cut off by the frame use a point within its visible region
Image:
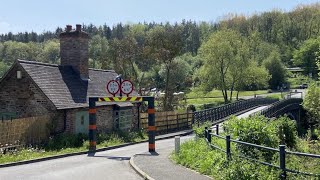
[74, 50]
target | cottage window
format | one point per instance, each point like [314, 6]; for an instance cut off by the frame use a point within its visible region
[19, 75]
[7, 116]
[82, 120]
[123, 119]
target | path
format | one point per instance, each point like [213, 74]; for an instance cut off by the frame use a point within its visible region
[112, 164]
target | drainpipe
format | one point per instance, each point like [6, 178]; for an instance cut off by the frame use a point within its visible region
[138, 108]
[64, 120]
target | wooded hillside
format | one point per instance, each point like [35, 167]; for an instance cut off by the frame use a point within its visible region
[151, 53]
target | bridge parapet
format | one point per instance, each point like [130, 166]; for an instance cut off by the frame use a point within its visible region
[220, 112]
[281, 107]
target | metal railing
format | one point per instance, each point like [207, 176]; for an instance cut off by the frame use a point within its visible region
[282, 153]
[278, 108]
[220, 112]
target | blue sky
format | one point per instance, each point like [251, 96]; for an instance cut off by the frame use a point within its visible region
[35, 15]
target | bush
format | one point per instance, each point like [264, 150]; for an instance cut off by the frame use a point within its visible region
[287, 131]
[199, 131]
[62, 141]
[255, 130]
[198, 156]
[125, 136]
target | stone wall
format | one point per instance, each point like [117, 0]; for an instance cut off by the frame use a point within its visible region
[104, 118]
[22, 97]
[25, 130]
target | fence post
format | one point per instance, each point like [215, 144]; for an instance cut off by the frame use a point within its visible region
[282, 153]
[198, 120]
[167, 122]
[209, 135]
[177, 144]
[228, 151]
[177, 121]
[217, 129]
[188, 119]
[205, 132]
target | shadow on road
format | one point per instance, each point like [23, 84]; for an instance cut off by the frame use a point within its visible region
[117, 158]
[148, 154]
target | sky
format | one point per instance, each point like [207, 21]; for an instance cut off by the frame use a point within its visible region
[47, 15]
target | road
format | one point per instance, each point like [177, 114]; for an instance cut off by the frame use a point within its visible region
[112, 164]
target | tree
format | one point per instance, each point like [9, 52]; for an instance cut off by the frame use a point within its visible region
[311, 103]
[221, 54]
[276, 69]
[50, 52]
[255, 77]
[178, 78]
[98, 48]
[163, 44]
[3, 69]
[306, 55]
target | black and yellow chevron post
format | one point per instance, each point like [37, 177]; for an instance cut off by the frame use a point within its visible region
[120, 99]
[93, 118]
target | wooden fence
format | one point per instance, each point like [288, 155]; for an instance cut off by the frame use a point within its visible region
[168, 121]
[29, 130]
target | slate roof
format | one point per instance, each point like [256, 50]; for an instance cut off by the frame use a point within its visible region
[64, 87]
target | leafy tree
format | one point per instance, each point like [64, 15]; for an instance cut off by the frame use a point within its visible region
[50, 52]
[276, 69]
[163, 45]
[222, 55]
[255, 77]
[3, 69]
[311, 103]
[16, 50]
[122, 54]
[98, 49]
[306, 56]
[178, 79]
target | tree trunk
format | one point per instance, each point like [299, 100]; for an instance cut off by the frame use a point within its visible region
[165, 101]
[238, 95]
[231, 91]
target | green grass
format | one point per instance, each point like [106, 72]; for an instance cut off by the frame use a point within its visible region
[195, 93]
[199, 102]
[198, 156]
[104, 140]
[199, 98]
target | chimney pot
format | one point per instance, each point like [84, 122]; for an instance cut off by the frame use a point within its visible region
[69, 28]
[78, 27]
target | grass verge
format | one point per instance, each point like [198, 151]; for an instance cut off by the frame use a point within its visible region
[199, 156]
[64, 144]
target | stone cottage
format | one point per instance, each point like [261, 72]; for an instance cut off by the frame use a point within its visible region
[31, 89]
